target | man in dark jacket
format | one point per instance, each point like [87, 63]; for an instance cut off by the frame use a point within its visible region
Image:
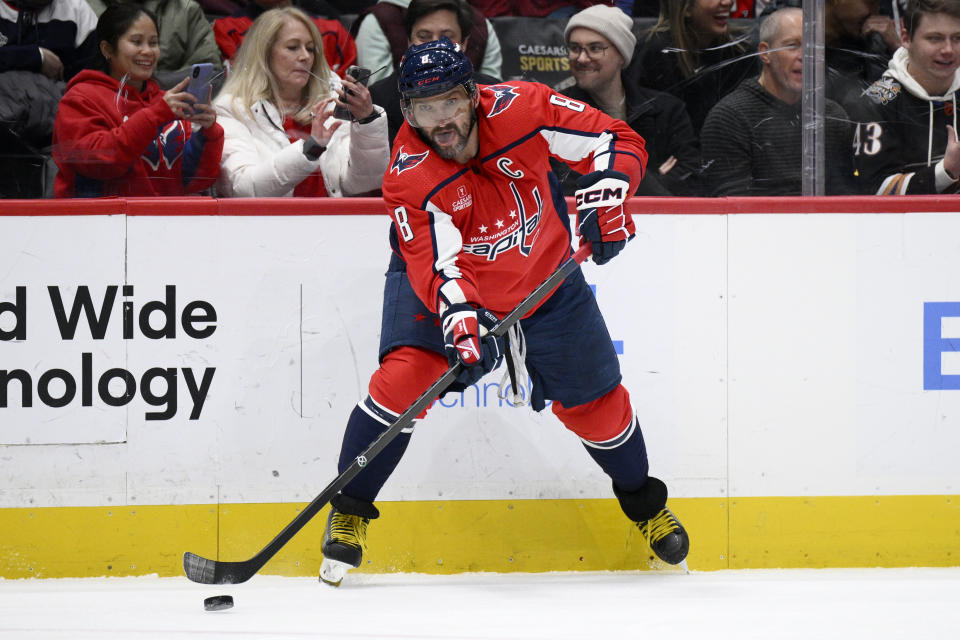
[859, 42]
[600, 43]
[752, 138]
[52, 37]
[42, 43]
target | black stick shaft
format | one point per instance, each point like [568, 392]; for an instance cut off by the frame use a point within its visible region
[207, 571]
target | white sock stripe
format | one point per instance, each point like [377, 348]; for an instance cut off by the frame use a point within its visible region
[615, 441]
[377, 411]
[382, 415]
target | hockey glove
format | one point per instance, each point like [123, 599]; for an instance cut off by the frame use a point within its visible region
[600, 215]
[466, 339]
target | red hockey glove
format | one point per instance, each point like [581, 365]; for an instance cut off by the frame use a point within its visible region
[600, 215]
[466, 339]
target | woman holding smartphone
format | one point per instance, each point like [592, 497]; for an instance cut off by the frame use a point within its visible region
[276, 108]
[117, 133]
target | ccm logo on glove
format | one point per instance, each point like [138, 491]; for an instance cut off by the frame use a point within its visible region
[600, 215]
[606, 193]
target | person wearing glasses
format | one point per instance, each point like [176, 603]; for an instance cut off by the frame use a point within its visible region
[600, 44]
[752, 139]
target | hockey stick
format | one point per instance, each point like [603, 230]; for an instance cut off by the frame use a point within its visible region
[206, 571]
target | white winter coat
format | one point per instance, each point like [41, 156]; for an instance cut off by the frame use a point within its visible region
[260, 161]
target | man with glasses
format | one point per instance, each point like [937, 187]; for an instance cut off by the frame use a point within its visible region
[478, 223]
[752, 139]
[600, 43]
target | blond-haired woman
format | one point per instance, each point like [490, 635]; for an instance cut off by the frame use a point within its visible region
[280, 138]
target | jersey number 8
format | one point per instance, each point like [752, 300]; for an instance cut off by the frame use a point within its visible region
[400, 214]
[573, 105]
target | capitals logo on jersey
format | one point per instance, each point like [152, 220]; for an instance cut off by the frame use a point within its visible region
[168, 145]
[405, 161]
[505, 95]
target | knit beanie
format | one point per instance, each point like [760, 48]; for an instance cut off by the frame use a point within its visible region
[610, 22]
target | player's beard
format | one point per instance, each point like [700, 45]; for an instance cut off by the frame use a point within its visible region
[450, 152]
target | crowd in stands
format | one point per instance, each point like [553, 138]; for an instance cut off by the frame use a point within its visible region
[95, 97]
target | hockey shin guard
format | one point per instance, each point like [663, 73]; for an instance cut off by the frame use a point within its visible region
[362, 429]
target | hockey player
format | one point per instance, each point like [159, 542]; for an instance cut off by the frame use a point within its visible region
[906, 139]
[478, 223]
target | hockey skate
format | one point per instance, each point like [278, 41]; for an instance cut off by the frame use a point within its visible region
[663, 532]
[666, 537]
[345, 539]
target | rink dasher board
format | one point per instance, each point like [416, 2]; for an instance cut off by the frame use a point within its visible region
[767, 355]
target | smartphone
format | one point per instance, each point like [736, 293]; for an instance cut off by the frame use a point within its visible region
[199, 87]
[361, 75]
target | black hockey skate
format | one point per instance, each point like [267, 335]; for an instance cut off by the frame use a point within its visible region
[345, 539]
[666, 536]
[662, 531]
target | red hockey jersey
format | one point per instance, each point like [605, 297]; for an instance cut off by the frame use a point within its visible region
[112, 140]
[490, 231]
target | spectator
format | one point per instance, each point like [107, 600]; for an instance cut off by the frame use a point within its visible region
[221, 7]
[859, 42]
[118, 134]
[752, 139]
[42, 43]
[694, 54]
[186, 37]
[275, 109]
[651, 8]
[907, 131]
[426, 21]
[382, 40]
[52, 37]
[338, 46]
[640, 8]
[351, 6]
[553, 8]
[493, 8]
[601, 44]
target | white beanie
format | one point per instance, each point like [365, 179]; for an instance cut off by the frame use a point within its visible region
[610, 22]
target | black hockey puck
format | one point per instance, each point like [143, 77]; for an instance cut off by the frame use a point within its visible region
[218, 603]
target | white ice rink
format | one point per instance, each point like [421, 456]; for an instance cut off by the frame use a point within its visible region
[852, 604]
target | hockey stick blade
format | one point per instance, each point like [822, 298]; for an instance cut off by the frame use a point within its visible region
[206, 571]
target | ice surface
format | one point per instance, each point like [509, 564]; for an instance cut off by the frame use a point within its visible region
[874, 604]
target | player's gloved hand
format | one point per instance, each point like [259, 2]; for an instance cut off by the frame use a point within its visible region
[600, 215]
[466, 339]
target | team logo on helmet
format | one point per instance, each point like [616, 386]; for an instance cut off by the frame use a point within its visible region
[505, 96]
[406, 161]
[433, 68]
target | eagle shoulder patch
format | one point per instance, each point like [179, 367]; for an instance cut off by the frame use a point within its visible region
[405, 161]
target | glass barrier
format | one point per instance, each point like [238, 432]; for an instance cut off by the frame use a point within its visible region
[811, 100]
